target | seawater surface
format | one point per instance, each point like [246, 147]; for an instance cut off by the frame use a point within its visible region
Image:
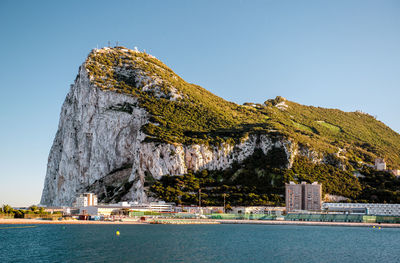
[198, 243]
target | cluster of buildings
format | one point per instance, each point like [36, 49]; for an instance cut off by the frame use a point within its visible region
[87, 205]
[307, 198]
[125, 207]
[303, 198]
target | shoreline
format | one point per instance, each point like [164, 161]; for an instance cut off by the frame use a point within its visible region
[309, 223]
[17, 221]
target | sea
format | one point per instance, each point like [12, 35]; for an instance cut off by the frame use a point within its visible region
[198, 243]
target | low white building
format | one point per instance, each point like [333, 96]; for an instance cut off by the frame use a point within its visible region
[100, 210]
[360, 208]
[199, 210]
[63, 209]
[264, 210]
[190, 209]
[162, 206]
[107, 210]
[380, 164]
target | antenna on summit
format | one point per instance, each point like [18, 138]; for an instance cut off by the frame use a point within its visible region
[109, 45]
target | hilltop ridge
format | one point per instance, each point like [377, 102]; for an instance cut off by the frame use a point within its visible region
[187, 113]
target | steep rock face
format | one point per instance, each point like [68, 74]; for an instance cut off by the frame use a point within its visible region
[92, 140]
[158, 159]
[99, 147]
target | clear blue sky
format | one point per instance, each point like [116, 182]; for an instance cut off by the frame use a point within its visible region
[339, 54]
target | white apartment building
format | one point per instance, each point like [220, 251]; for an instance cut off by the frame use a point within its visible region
[86, 199]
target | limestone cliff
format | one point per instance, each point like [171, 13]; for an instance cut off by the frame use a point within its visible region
[128, 118]
[99, 148]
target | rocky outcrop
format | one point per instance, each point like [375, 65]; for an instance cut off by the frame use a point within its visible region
[158, 159]
[100, 147]
[96, 135]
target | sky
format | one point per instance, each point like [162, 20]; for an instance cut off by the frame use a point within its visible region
[341, 54]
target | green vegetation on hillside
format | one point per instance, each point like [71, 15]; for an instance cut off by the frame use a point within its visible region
[198, 116]
[379, 186]
[260, 180]
[360, 135]
[334, 180]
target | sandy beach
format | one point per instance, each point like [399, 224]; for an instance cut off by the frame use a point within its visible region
[18, 221]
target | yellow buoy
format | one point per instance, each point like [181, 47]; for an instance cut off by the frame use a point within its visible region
[117, 233]
[373, 227]
[379, 227]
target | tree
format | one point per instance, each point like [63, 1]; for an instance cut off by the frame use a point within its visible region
[34, 208]
[7, 209]
[19, 214]
[125, 211]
